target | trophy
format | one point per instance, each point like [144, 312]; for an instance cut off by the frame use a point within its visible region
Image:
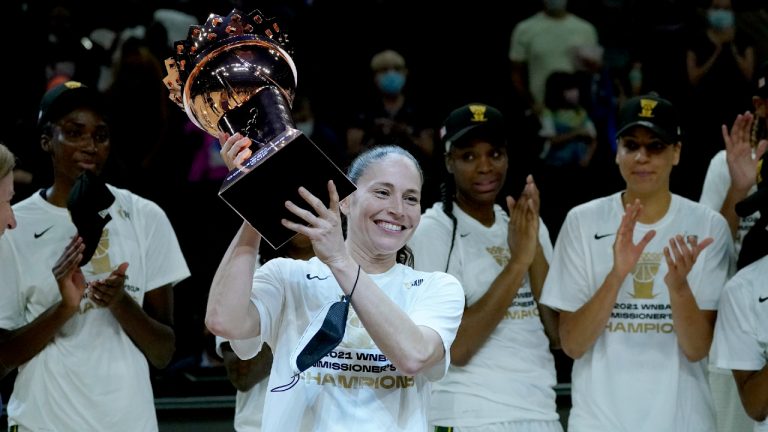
[235, 74]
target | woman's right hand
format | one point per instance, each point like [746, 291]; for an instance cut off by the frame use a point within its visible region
[235, 149]
[68, 275]
[523, 228]
[742, 163]
[626, 253]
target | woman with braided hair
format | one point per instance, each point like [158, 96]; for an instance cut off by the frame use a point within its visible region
[502, 373]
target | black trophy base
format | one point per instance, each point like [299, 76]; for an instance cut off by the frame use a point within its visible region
[272, 176]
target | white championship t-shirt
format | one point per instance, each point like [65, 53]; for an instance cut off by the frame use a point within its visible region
[91, 376]
[741, 332]
[355, 384]
[511, 378]
[635, 377]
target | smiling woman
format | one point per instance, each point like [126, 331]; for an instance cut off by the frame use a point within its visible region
[501, 352]
[397, 335]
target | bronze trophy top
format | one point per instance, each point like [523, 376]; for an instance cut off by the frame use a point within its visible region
[225, 62]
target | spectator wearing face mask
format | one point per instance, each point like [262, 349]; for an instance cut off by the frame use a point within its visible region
[390, 116]
[720, 67]
[545, 43]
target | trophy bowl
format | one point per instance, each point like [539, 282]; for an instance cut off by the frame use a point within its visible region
[235, 74]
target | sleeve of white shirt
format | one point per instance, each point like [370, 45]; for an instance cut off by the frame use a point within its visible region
[518, 49]
[716, 182]
[431, 243]
[244, 348]
[11, 308]
[715, 263]
[566, 287]
[440, 306]
[546, 241]
[735, 345]
[165, 263]
[219, 341]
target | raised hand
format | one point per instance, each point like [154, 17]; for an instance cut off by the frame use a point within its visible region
[235, 149]
[742, 165]
[523, 228]
[107, 292]
[532, 191]
[625, 252]
[68, 275]
[681, 256]
[323, 226]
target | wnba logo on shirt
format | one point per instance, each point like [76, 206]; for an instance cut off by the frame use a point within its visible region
[355, 334]
[500, 254]
[644, 274]
[100, 262]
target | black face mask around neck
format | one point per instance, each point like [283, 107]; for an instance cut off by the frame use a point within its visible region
[324, 333]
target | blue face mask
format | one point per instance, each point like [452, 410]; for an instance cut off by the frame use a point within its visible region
[720, 19]
[391, 82]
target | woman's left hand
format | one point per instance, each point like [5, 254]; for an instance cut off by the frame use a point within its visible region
[107, 292]
[681, 257]
[323, 226]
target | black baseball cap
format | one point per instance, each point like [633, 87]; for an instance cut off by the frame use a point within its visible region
[65, 98]
[653, 112]
[475, 119]
[761, 81]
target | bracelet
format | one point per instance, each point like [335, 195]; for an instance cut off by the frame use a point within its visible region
[349, 297]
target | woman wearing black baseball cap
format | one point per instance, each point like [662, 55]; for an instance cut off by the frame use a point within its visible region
[637, 276]
[502, 373]
[83, 335]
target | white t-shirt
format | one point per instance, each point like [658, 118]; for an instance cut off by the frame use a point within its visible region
[547, 45]
[714, 191]
[635, 377]
[741, 332]
[91, 376]
[512, 376]
[355, 384]
[249, 405]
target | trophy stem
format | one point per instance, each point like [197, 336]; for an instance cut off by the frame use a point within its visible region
[263, 117]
